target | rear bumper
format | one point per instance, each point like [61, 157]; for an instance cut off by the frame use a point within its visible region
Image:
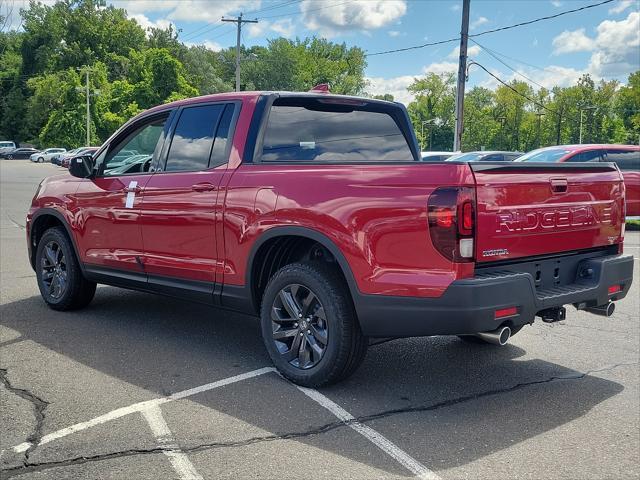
[469, 306]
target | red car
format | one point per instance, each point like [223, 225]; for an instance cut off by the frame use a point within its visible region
[314, 212]
[627, 157]
[66, 159]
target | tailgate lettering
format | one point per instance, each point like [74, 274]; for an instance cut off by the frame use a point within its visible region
[520, 220]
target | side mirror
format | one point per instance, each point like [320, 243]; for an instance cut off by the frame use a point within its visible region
[81, 166]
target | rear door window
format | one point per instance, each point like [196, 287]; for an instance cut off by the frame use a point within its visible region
[192, 141]
[588, 156]
[625, 159]
[304, 130]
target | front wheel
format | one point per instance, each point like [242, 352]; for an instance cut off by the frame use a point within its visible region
[40, 160]
[309, 325]
[61, 283]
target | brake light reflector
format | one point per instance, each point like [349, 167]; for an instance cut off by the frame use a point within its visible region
[614, 289]
[506, 312]
[451, 217]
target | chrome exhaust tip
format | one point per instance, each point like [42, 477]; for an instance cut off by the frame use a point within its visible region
[605, 310]
[498, 337]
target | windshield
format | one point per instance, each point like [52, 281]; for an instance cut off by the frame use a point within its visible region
[465, 157]
[6, 144]
[544, 155]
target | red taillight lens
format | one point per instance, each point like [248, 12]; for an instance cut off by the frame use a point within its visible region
[614, 289]
[451, 217]
[506, 312]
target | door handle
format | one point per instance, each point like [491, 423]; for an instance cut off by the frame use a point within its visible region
[132, 189]
[558, 185]
[203, 187]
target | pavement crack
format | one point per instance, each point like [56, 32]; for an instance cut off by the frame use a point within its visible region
[15, 223]
[39, 406]
[489, 393]
[29, 467]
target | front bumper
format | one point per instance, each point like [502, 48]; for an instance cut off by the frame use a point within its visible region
[469, 305]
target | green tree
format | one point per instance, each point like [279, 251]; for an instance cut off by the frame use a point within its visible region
[432, 111]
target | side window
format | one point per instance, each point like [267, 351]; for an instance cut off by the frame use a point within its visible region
[589, 156]
[494, 157]
[134, 153]
[220, 152]
[192, 141]
[625, 159]
[303, 130]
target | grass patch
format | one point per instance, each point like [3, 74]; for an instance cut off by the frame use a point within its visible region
[633, 224]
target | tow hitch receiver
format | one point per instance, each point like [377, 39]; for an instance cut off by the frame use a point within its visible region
[551, 315]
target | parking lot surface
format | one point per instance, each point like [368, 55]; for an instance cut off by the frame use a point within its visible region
[141, 386]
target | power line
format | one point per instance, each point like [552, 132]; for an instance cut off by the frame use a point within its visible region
[535, 102]
[306, 11]
[499, 29]
[548, 17]
[493, 54]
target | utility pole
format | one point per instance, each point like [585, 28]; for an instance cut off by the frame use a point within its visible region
[87, 93]
[539, 114]
[581, 112]
[238, 21]
[462, 70]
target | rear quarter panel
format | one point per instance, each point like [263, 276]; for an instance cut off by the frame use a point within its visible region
[375, 214]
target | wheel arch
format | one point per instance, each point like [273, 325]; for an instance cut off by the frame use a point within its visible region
[42, 220]
[255, 260]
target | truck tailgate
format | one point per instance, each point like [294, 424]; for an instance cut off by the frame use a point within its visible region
[526, 210]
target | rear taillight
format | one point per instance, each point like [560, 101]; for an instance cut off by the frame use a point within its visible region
[451, 216]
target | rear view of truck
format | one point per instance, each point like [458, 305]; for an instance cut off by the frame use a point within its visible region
[557, 232]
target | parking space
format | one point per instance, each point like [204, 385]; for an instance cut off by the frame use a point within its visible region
[140, 386]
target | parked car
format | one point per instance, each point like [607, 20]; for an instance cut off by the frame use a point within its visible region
[46, 155]
[485, 156]
[315, 212]
[21, 153]
[626, 157]
[66, 160]
[5, 147]
[436, 156]
[57, 159]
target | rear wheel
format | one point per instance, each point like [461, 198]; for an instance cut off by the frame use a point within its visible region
[309, 325]
[40, 160]
[60, 280]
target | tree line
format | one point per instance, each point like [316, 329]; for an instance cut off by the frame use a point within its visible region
[43, 69]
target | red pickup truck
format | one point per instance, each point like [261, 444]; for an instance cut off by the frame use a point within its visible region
[314, 212]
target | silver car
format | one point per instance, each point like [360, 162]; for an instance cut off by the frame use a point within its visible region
[46, 155]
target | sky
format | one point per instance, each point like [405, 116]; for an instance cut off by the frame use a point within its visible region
[603, 41]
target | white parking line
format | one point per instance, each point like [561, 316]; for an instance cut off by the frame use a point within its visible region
[179, 460]
[139, 407]
[384, 444]
[150, 409]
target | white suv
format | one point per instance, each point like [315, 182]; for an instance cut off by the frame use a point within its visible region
[6, 146]
[45, 155]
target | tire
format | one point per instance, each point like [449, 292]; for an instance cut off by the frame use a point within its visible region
[329, 317]
[40, 160]
[60, 280]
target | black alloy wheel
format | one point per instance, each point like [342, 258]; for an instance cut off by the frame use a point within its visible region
[54, 270]
[300, 327]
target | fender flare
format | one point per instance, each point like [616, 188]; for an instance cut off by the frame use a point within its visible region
[45, 211]
[298, 231]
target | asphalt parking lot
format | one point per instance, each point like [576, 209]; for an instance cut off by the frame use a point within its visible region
[139, 386]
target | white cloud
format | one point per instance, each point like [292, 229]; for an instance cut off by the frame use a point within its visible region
[617, 46]
[472, 51]
[477, 22]
[440, 68]
[330, 18]
[393, 33]
[147, 24]
[216, 47]
[621, 7]
[396, 86]
[556, 3]
[284, 28]
[575, 41]
[455, 7]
